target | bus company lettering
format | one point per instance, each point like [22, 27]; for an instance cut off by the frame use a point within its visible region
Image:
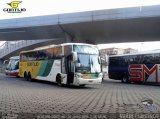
[138, 72]
[32, 63]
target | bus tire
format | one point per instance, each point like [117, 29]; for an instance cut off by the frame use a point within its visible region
[25, 76]
[29, 76]
[58, 79]
[82, 85]
[125, 79]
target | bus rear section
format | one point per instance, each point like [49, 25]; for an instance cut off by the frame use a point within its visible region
[12, 68]
[140, 67]
[117, 68]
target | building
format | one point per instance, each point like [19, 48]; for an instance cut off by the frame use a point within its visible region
[116, 51]
[129, 50]
[104, 53]
[111, 51]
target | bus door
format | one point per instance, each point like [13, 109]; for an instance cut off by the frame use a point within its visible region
[69, 69]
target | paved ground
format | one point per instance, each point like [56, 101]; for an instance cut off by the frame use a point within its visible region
[23, 99]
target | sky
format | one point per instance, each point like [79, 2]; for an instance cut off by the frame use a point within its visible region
[45, 7]
[48, 7]
[140, 46]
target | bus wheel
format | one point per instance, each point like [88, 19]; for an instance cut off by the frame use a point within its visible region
[25, 76]
[125, 79]
[82, 85]
[58, 79]
[29, 77]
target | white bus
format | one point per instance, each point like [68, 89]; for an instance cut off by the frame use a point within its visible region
[69, 63]
[12, 68]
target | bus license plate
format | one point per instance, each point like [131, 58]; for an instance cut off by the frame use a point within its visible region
[90, 81]
[86, 76]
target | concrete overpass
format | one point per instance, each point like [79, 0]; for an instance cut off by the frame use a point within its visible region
[102, 26]
[10, 48]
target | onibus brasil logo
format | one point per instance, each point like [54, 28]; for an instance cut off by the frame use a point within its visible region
[14, 7]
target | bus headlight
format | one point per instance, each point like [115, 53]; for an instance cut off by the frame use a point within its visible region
[100, 75]
[79, 75]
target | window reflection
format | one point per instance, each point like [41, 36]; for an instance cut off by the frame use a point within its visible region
[88, 64]
[86, 49]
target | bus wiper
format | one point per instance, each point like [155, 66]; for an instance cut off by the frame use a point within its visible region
[85, 72]
[96, 72]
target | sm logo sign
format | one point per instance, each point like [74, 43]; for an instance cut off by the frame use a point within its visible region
[140, 72]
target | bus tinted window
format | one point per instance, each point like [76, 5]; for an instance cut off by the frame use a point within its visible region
[148, 59]
[55, 50]
[51, 53]
[42, 55]
[67, 49]
[125, 61]
[117, 61]
[157, 58]
[134, 59]
[29, 56]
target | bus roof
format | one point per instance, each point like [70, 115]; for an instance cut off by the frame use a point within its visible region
[76, 44]
[51, 46]
[138, 53]
[14, 57]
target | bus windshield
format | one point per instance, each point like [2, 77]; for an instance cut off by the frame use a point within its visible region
[13, 64]
[88, 64]
[87, 58]
[86, 49]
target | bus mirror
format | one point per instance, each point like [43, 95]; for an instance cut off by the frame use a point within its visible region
[74, 55]
[99, 60]
[78, 64]
[5, 62]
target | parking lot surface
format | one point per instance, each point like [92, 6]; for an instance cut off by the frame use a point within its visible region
[23, 99]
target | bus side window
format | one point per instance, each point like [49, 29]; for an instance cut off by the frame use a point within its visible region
[131, 60]
[134, 59]
[148, 59]
[111, 61]
[23, 57]
[125, 60]
[67, 50]
[157, 58]
[43, 55]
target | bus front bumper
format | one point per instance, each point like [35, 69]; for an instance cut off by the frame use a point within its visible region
[12, 73]
[81, 81]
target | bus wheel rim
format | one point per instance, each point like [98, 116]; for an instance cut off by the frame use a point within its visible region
[124, 79]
